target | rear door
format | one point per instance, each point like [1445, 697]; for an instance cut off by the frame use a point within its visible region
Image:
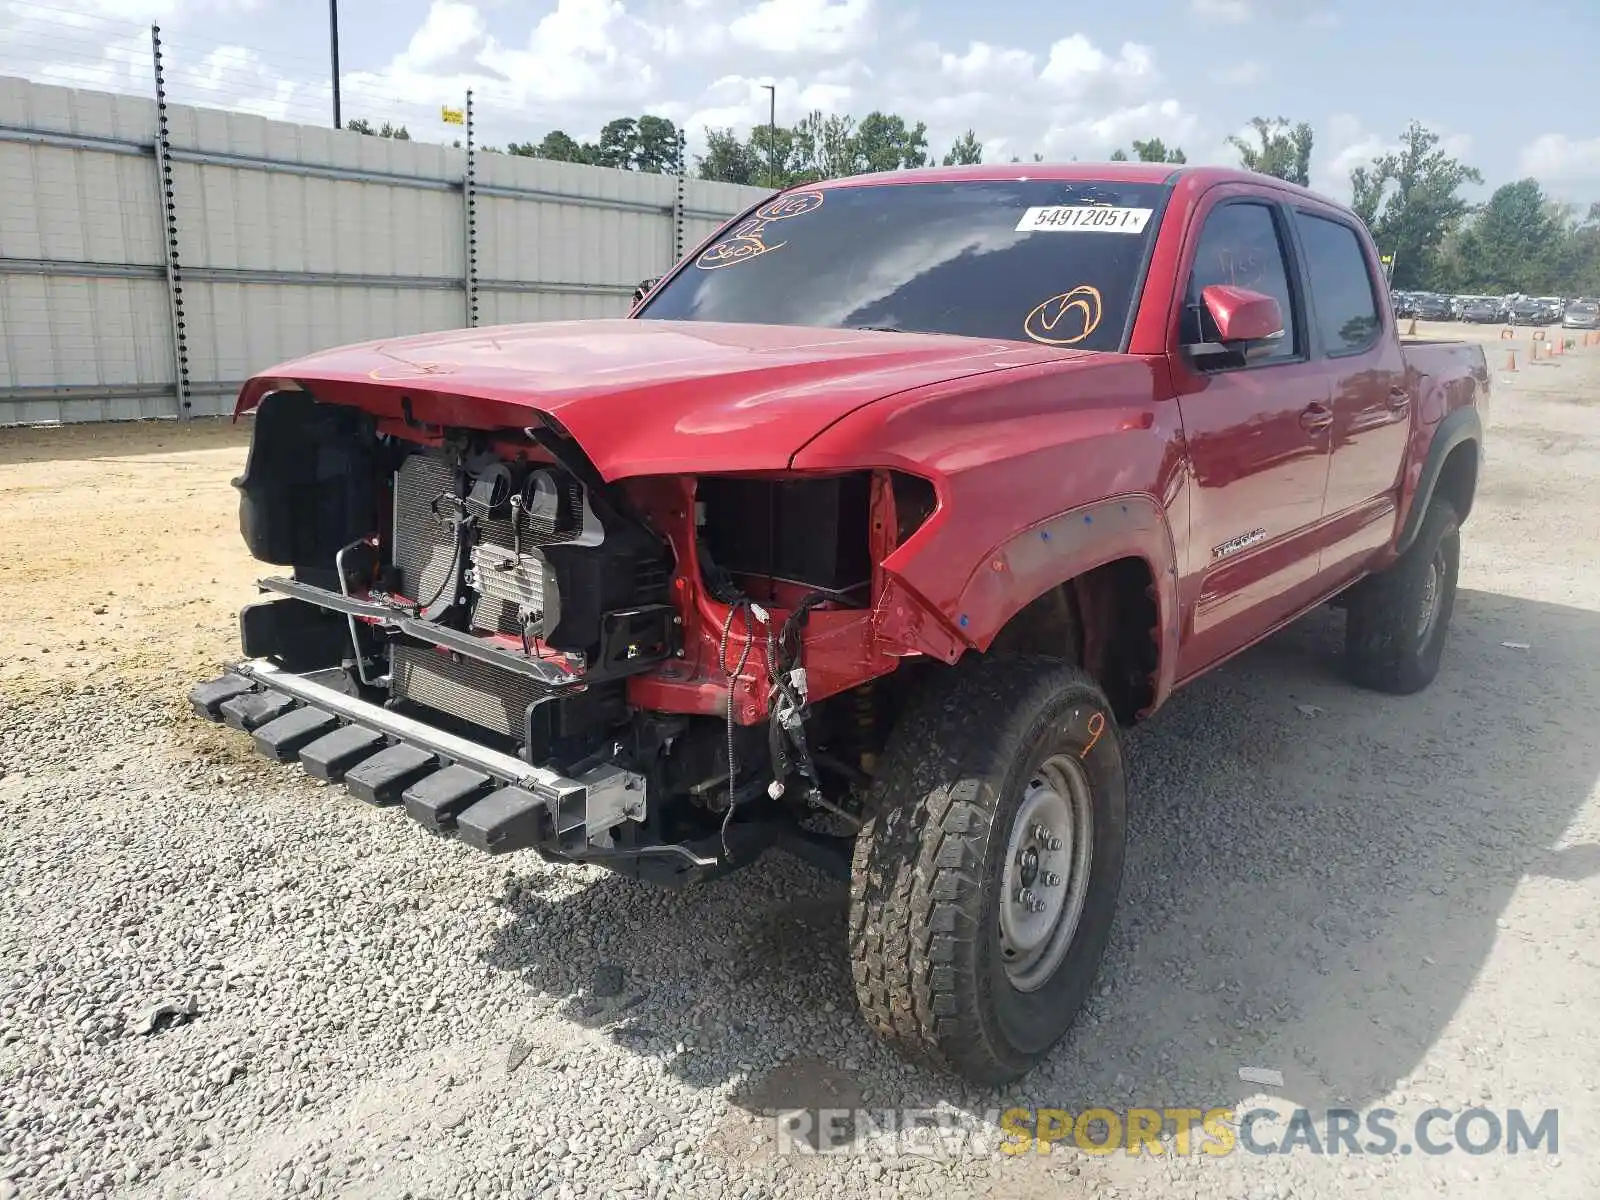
[1352, 333]
[1257, 435]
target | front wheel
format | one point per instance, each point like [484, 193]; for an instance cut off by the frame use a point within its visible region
[986, 878]
[1396, 621]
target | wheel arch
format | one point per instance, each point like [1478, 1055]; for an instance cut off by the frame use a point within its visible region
[1450, 470]
[1097, 584]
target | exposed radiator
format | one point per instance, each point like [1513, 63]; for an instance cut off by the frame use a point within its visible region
[424, 542]
[464, 687]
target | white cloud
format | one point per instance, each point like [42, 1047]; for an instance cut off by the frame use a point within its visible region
[983, 63]
[790, 27]
[1241, 74]
[1561, 159]
[1076, 66]
[1099, 135]
[449, 31]
[1231, 12]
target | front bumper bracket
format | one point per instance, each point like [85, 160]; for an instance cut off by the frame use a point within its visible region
[491, 800]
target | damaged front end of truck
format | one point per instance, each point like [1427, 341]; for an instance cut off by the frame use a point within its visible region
[665, 674]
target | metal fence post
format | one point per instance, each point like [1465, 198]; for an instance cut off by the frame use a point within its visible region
[169, 221]
[677, 206]
[469, 189]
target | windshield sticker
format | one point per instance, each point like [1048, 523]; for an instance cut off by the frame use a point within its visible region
[1067, 319]
[746, 242]
[1084, 218]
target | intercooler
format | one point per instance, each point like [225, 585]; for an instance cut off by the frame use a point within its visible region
[521, 547]
[474, 691]
[505, 569]
[504, 574]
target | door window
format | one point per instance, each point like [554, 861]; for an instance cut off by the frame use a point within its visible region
[1239, 246]
[1341, 285]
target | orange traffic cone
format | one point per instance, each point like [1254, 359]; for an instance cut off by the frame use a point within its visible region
[1511, 360]
[1561, 344]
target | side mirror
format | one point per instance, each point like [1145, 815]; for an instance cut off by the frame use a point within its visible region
[1242, 315]
[1245, 323]
[643, 290]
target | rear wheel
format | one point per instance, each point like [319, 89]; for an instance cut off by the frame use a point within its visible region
[985, 880]
[1397, 621]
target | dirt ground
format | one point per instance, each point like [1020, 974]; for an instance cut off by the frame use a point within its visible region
[123, 550]
[1392, 901]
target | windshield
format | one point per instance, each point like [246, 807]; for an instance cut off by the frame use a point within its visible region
[1048, 261]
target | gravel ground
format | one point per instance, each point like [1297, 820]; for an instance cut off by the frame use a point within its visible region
[218, 978]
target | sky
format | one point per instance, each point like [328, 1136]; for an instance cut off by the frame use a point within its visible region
[1510, 88]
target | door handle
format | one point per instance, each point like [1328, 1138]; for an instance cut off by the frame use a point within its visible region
[1314, 418]
[1399, 398]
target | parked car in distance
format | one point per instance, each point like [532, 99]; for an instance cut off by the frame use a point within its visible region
[1430, 306]
[1582, 314]
[1527, 310]
[1481, 310]
[1405, 304]
[844, 522]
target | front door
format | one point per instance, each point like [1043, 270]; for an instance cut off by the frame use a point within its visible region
[1258, 439]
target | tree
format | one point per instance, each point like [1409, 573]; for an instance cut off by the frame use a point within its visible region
[825, 147]
[1516, 242]
[774, 151]
[1578, 269]
[967, 151]
[619, 143]
[884, 143]
[361, 125]
[729, 159]
[1284, 152]
[631, 144]
[655, 146]
[1411, 200]
[1152, 151]
[556, 146]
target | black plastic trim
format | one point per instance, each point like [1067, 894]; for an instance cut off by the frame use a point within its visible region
[1463, 425]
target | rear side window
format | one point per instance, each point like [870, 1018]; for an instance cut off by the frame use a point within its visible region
[1239, 246]
[1341, 285]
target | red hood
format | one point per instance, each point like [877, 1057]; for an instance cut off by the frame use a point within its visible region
[646, 397]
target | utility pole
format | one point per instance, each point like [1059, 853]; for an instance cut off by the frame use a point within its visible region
[333, 35]
[772, 135]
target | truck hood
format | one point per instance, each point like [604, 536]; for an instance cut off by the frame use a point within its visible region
[645, 397]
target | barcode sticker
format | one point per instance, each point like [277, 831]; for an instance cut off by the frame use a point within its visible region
[1084, 218]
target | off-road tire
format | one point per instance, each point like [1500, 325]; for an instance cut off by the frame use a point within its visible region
[1386, 648]
[925, 887]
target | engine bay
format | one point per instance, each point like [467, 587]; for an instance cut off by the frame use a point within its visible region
[498, 589]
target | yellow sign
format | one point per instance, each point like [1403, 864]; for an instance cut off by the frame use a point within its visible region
[1386, 259]
[453, 116]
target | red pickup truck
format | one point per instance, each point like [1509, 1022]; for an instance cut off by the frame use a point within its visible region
[863, 536]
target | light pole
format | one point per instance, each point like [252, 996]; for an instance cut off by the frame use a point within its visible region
[333, 36]
[772, 134]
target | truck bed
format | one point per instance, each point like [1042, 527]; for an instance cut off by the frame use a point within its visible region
[1447, 374]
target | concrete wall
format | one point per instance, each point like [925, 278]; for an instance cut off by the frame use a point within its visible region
[289, 238]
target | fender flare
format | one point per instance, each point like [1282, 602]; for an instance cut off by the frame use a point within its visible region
[1065, 546]
[1463, 425]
